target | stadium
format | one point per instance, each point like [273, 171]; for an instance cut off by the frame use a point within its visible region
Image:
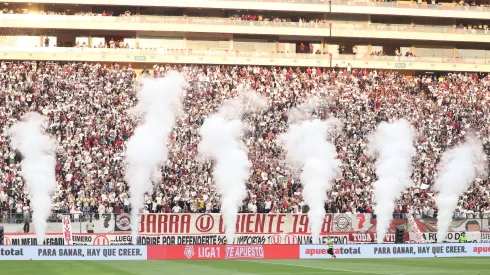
[266, 137]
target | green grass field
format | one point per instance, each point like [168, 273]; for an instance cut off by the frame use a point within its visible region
[447, 266]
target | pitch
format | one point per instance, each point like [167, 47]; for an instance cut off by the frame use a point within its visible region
[446, 266]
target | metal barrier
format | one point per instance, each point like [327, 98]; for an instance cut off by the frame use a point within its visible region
[232, 22]
[410, 5]
[477, 59]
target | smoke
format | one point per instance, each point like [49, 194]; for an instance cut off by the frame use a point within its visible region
[220, 142]
[461, 165]
[38, 167]
[304, 111]
[393, 142]
[309, 151]
[159, 105]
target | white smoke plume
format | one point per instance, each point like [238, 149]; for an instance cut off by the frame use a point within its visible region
[304, 111]
[38, 167]
[160, 104]
[220, 142]
[310, 153]
[393, 144]
[461, 165]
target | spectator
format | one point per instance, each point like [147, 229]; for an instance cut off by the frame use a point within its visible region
[86, 106]
[90, 226]
[27, 227]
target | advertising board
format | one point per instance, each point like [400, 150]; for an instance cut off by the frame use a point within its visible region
[380, 251]
[221, 252]
[244, 252]
[69, 253]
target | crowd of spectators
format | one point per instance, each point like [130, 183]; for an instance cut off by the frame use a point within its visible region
[113, 44]
[473, 28]
[279, 19]
[87, 107]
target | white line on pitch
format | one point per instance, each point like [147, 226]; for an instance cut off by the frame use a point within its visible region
[323, 268]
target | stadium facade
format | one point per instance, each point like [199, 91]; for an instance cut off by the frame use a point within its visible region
[403, 35]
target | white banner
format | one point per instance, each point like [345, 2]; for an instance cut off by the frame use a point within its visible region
[63, 253]
[379, 251]
[415, 228]
[215, 239]
[67, 229]
[153, 239]
[453, 237]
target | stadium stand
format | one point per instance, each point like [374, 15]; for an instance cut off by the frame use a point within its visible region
[319, 52]
[87, 104]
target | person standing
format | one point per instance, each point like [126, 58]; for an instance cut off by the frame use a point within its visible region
[330, 247]
[463, 238]
[27, 227]
[90, 226]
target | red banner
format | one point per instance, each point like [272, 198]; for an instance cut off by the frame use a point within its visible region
[220, 252]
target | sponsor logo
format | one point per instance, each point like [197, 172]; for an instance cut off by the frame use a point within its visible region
[291, 239]
[242, 251]
[480, 250]
[204, 223]
[339, 251]
[276, 239]
[189, 251]
[11, 252]
[123, 222]
[101, 240]
[342, 222]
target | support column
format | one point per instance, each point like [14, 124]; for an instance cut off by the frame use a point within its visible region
[412, 49]
[137, 41]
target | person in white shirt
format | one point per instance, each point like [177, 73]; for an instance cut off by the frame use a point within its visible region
[252, 207]
[101, 209]
[27, 212]
[209, 207]
[176, 209]
[90, 226]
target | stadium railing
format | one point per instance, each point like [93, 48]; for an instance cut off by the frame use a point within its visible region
[410, 5]
[188, 52]
[231, 22]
